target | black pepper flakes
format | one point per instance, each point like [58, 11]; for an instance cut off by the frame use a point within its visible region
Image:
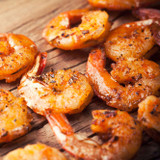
[109, 114]
[67, 35]
[146, 38]
[70, 81]
[51, 26]
[4, 134]
[53, 81]
[52, 75]
[153, 112]
[85, 32]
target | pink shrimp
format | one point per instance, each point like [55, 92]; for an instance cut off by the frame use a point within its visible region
[17, 56]
[92, 30]
[115, 95]
[122, 5]
[123, 135]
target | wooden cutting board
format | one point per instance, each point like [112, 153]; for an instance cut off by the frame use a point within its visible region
[29, 17]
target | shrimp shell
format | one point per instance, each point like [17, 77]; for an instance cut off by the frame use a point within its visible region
[115, 95]
[93, 29]
[63, 91]
[17, 56]
[122, 5]
[35, 152]
[14, 117]
[133, 39]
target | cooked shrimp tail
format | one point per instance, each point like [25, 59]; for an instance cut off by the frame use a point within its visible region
[123, 135]
[38, 67]
[39, 64]
[42, 62]
[59, 120]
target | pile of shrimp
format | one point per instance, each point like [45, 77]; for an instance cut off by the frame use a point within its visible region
[133, 84]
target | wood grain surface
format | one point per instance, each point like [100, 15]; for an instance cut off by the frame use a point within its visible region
[29, 17]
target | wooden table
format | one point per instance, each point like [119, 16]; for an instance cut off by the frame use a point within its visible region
[29, 17]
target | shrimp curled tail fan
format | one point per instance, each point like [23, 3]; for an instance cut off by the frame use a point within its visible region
[38, 67]
[123, 136]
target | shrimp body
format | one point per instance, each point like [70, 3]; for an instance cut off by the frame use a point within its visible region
[115, 95]
[131, 70]
[149, 116]
[92, 30]
[64, 91]
[35, 152]
[123, 136]
[122, 5]
[130, 40]
[14, 117]
[17, 55]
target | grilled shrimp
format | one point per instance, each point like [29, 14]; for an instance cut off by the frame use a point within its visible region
[62, 91]
[122, 5]
[122, 133]
[133, 39]
[17, 55]
[14, 117]
[131, 70]
[92, 30]
[111, 91]
[35, 152]
[149, 116]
